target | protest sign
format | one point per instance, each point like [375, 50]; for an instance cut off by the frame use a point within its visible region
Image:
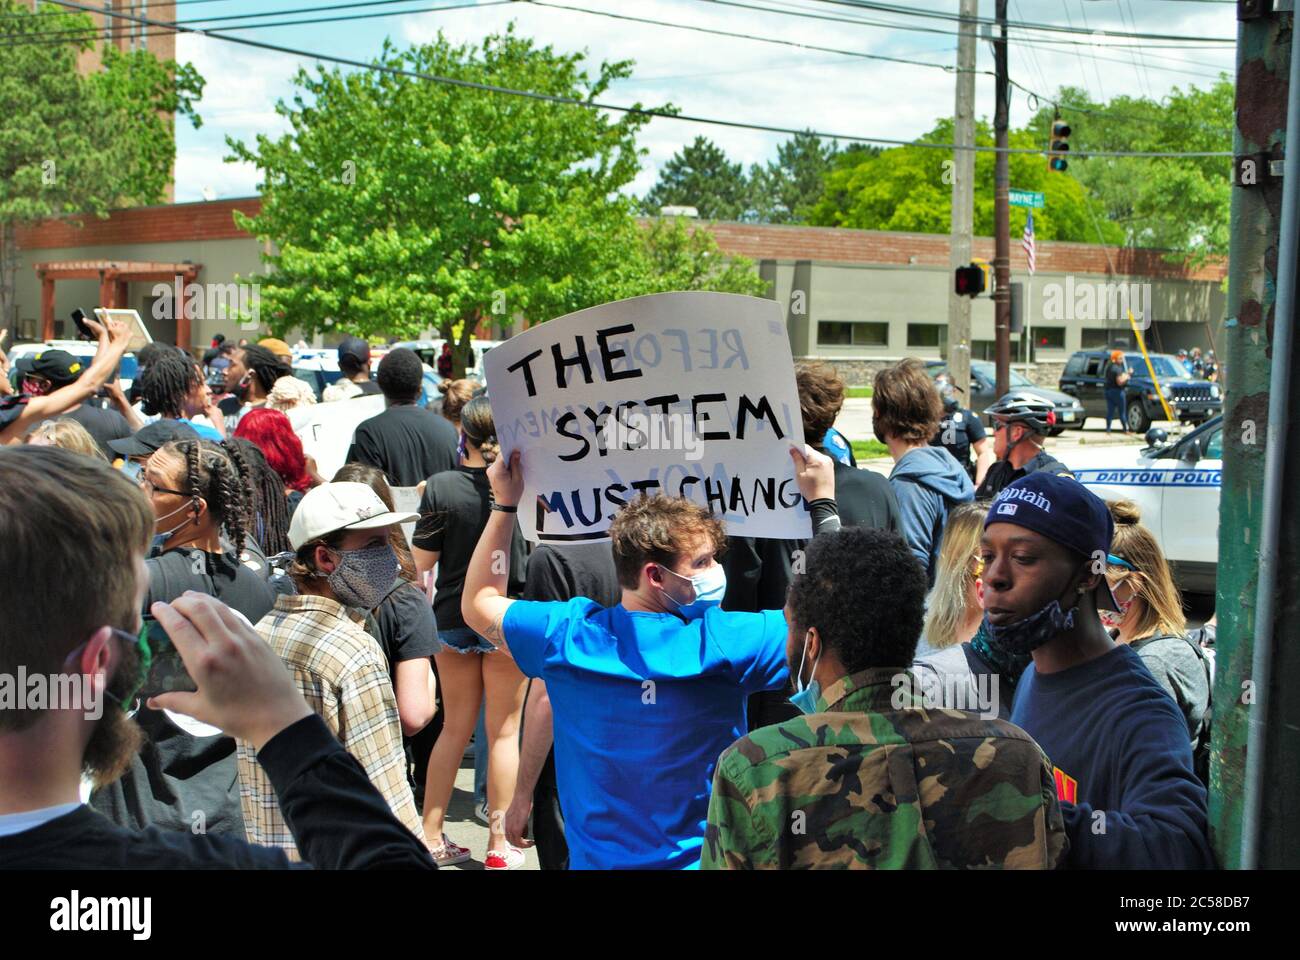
[689, 394]
[326, 429]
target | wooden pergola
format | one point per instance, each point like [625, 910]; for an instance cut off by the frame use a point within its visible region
[113, 276]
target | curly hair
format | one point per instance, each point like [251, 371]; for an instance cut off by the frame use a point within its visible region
[166, 383]
[660, 529]
[821, 395]
[265, 366]
[476, 423]
[270, 511]
[401, 376]
[272, 433]
[873, 627]
[905, 404]
[218, 474]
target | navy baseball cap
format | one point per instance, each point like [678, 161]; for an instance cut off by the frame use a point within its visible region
[1061, 509]
[149, 439]
[356, 348]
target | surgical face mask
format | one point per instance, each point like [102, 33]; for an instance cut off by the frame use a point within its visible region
[709, 588]
[804, 698]
[162, 536]
[364, 577]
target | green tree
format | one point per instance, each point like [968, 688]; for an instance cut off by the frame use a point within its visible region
[784, 190]
[1176, 203]
[701, 175]
[910, 189]
[396, 204]
[74, 144]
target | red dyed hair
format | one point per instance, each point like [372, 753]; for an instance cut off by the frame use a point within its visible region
[271, 431]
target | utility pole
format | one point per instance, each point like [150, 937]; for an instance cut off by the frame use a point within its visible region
[963, 199]
[1002, 211]
[1255, 753]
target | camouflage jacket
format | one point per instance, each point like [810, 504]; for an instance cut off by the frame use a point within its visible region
[864, 784]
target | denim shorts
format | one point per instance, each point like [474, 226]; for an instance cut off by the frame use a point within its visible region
[464, 640]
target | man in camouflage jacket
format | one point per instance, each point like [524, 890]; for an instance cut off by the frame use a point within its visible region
[877, 775]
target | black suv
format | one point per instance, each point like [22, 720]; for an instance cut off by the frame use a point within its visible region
[1190, 400]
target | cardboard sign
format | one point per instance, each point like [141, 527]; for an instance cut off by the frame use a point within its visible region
[326, 429]
[140, 335]
[687, 394]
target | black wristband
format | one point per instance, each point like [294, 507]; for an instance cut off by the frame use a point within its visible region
[503, 508]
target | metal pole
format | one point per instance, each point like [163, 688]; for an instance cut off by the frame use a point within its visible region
[1241, 815]
[1275, 451]
[963, 200]
[1002, 212]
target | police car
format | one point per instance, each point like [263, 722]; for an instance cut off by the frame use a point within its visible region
[1176, 485]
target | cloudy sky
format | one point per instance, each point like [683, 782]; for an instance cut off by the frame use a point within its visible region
[778, 84]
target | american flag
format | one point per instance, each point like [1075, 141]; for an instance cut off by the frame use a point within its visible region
[1027, 241]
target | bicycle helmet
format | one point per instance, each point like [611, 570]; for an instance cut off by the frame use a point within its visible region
[1021, 407]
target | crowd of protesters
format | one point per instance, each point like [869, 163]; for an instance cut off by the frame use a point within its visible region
[972, 662]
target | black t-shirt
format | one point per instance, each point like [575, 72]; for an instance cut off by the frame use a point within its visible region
[958, 432]
[103, 425]
[406, 442]
[1113, 371]
[564, 571]
[404, 626]
[453, 512]
[216, 574]
[368, 387]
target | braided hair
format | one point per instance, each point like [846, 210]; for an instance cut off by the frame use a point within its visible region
[166, 382]
[213, 472]
[265, 366]
[270, 512]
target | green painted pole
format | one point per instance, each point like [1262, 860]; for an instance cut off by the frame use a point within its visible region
[1263, 62]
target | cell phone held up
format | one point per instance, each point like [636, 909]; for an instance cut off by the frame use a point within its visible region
[83, 332]
[167, 673]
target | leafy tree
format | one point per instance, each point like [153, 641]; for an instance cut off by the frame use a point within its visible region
[910, 189]
[1181, 204]
[702, 176]
[73, 143]
[786, 189]
[396, 204]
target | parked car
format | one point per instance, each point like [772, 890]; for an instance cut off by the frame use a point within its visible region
[983, 393]
[317, 368]
[83, 350]
[1190, 400]
[1176, 485]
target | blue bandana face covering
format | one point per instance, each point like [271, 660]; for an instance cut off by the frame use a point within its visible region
[1025, 636]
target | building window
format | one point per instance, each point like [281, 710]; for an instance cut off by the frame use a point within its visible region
[1094, 338]
[846, 333]
[1049, 338]
[988, 350]
[927, 335]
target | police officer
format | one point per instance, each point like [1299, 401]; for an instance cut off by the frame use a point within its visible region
[1020, 425]
[960, 430]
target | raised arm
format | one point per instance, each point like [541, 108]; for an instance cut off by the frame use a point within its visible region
[484, 601]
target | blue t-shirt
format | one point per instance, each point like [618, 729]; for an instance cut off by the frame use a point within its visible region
[1122, 763]
[643, 705]
[203, 430]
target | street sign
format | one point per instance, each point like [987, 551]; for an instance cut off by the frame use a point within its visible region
[1026, 198]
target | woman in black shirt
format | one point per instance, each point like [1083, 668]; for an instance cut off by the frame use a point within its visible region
[453, 512]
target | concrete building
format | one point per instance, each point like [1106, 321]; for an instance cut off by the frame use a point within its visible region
[857, 298]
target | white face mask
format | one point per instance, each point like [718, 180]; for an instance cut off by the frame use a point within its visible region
[709, 586]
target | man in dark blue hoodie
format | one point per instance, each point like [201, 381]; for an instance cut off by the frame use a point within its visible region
[906, 410]
[1117, 741]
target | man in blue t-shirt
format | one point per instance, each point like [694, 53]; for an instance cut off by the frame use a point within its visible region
[1117, 741]
[646, 694]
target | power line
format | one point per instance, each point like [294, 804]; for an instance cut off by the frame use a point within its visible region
[619, 108]
[1020, 24]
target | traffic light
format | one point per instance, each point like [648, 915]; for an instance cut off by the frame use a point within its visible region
[970, 280]
[1060, 145]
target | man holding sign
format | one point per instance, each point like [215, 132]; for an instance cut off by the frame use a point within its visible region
[645, 695]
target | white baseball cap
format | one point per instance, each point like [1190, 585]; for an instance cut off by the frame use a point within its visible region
[340, 506]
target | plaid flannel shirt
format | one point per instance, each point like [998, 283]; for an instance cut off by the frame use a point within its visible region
[343, 675]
